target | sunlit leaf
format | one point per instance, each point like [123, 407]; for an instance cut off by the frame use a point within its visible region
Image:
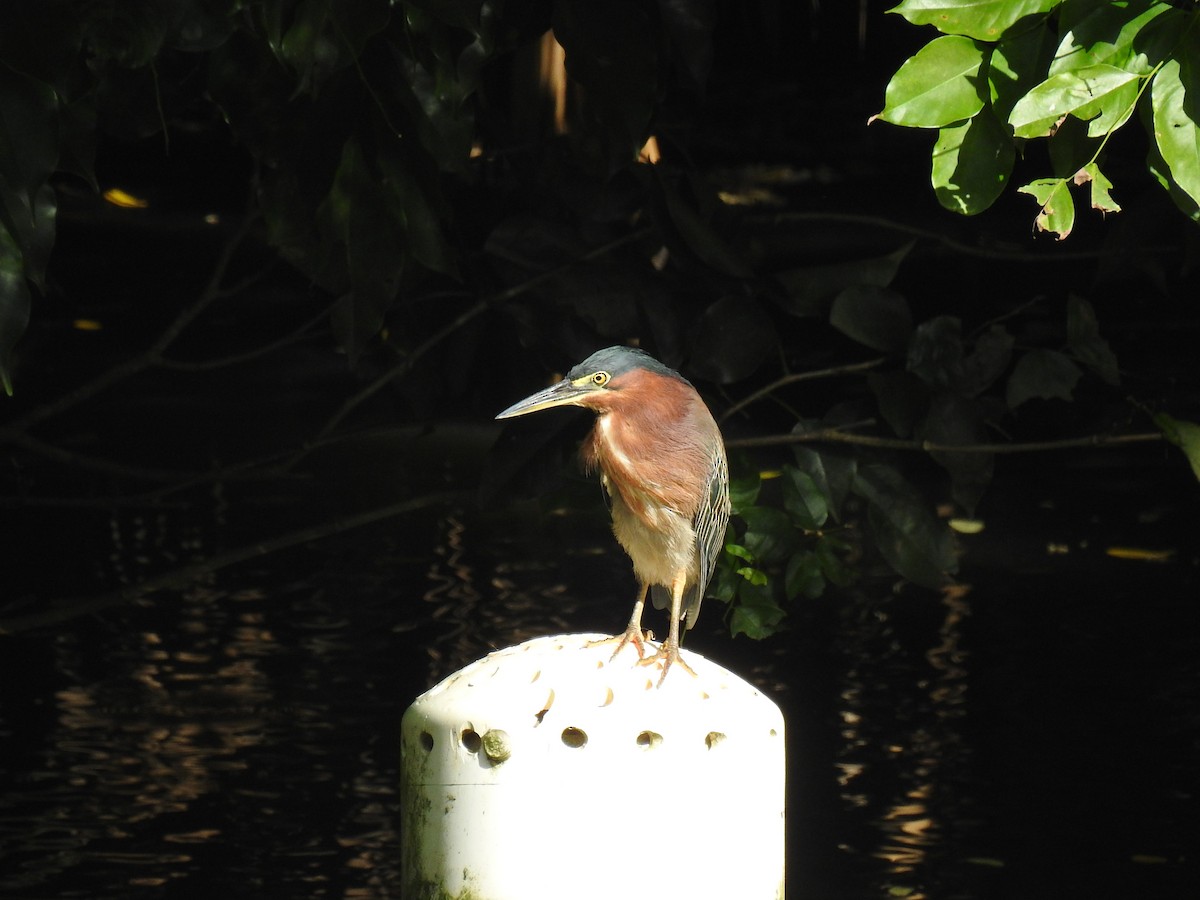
[1129, 35]
[1089, 92]
[1175, 129]
[972, 162]
[986, 20]
[1057, 213]
[940, 85]
[1017, 64]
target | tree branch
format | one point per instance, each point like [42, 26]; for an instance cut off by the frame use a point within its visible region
[796, 377]
[65, 610]
[839, 436]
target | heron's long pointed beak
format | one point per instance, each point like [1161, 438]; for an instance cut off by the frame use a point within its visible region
[562, 393]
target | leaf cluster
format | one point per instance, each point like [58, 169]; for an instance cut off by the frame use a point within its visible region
[1070, 72]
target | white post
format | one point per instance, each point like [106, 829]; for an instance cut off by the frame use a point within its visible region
[545, 771]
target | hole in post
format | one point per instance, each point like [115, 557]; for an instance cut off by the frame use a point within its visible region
[471, 740]
[648, 740]
[712, 739]
[426, 741]
[574, 737]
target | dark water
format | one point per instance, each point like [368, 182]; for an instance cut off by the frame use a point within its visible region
[1034, 735]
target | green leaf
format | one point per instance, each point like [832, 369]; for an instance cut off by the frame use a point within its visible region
[739, 552]
[1093, 91]
[940, 85]
[1184, 435]
[876, 317]
[1101, 199]
[1127, 35]
[1083, 337]
[1176, 133]
[756, 622]
[756, 577]
[803, 499]
[986, 20]
[1018, 63]
[972, 162]
[911, 539]
[1046, 374]
[1057, 214]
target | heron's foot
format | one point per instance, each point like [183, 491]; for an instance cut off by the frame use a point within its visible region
[667, 656]
[632, 635]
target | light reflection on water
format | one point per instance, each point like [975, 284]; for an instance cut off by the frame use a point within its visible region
[241, 736]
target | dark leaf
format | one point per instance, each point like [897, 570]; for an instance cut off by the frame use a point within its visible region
[902, 399]
[810, 291]
[1046, 374]
[687, 224]
[1083, 337]
[956, 420]
[935, 354]
[911, 539]
[769, 533]
[689, 24]
[803, 576]
[731, 339]
[987, 361]
[14, 305]
[743, 492]
[832, 472]
[876, 317]
[28, 133]
[803, 499]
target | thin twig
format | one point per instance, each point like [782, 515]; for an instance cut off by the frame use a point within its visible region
[152, 354]
[949, 242]
[839, 436]
[834, 371]
[406, 364]
[63, 611]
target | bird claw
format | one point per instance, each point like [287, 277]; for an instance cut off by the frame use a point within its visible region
[668, 654]
[632, 635]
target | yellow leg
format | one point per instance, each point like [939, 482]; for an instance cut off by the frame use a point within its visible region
[633, 631]
[669, 652]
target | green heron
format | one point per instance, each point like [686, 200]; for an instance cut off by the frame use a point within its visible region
[662, 462]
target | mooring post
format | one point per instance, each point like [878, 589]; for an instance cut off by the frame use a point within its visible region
[544, 771]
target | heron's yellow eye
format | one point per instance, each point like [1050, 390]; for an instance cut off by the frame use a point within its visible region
[600, 379]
